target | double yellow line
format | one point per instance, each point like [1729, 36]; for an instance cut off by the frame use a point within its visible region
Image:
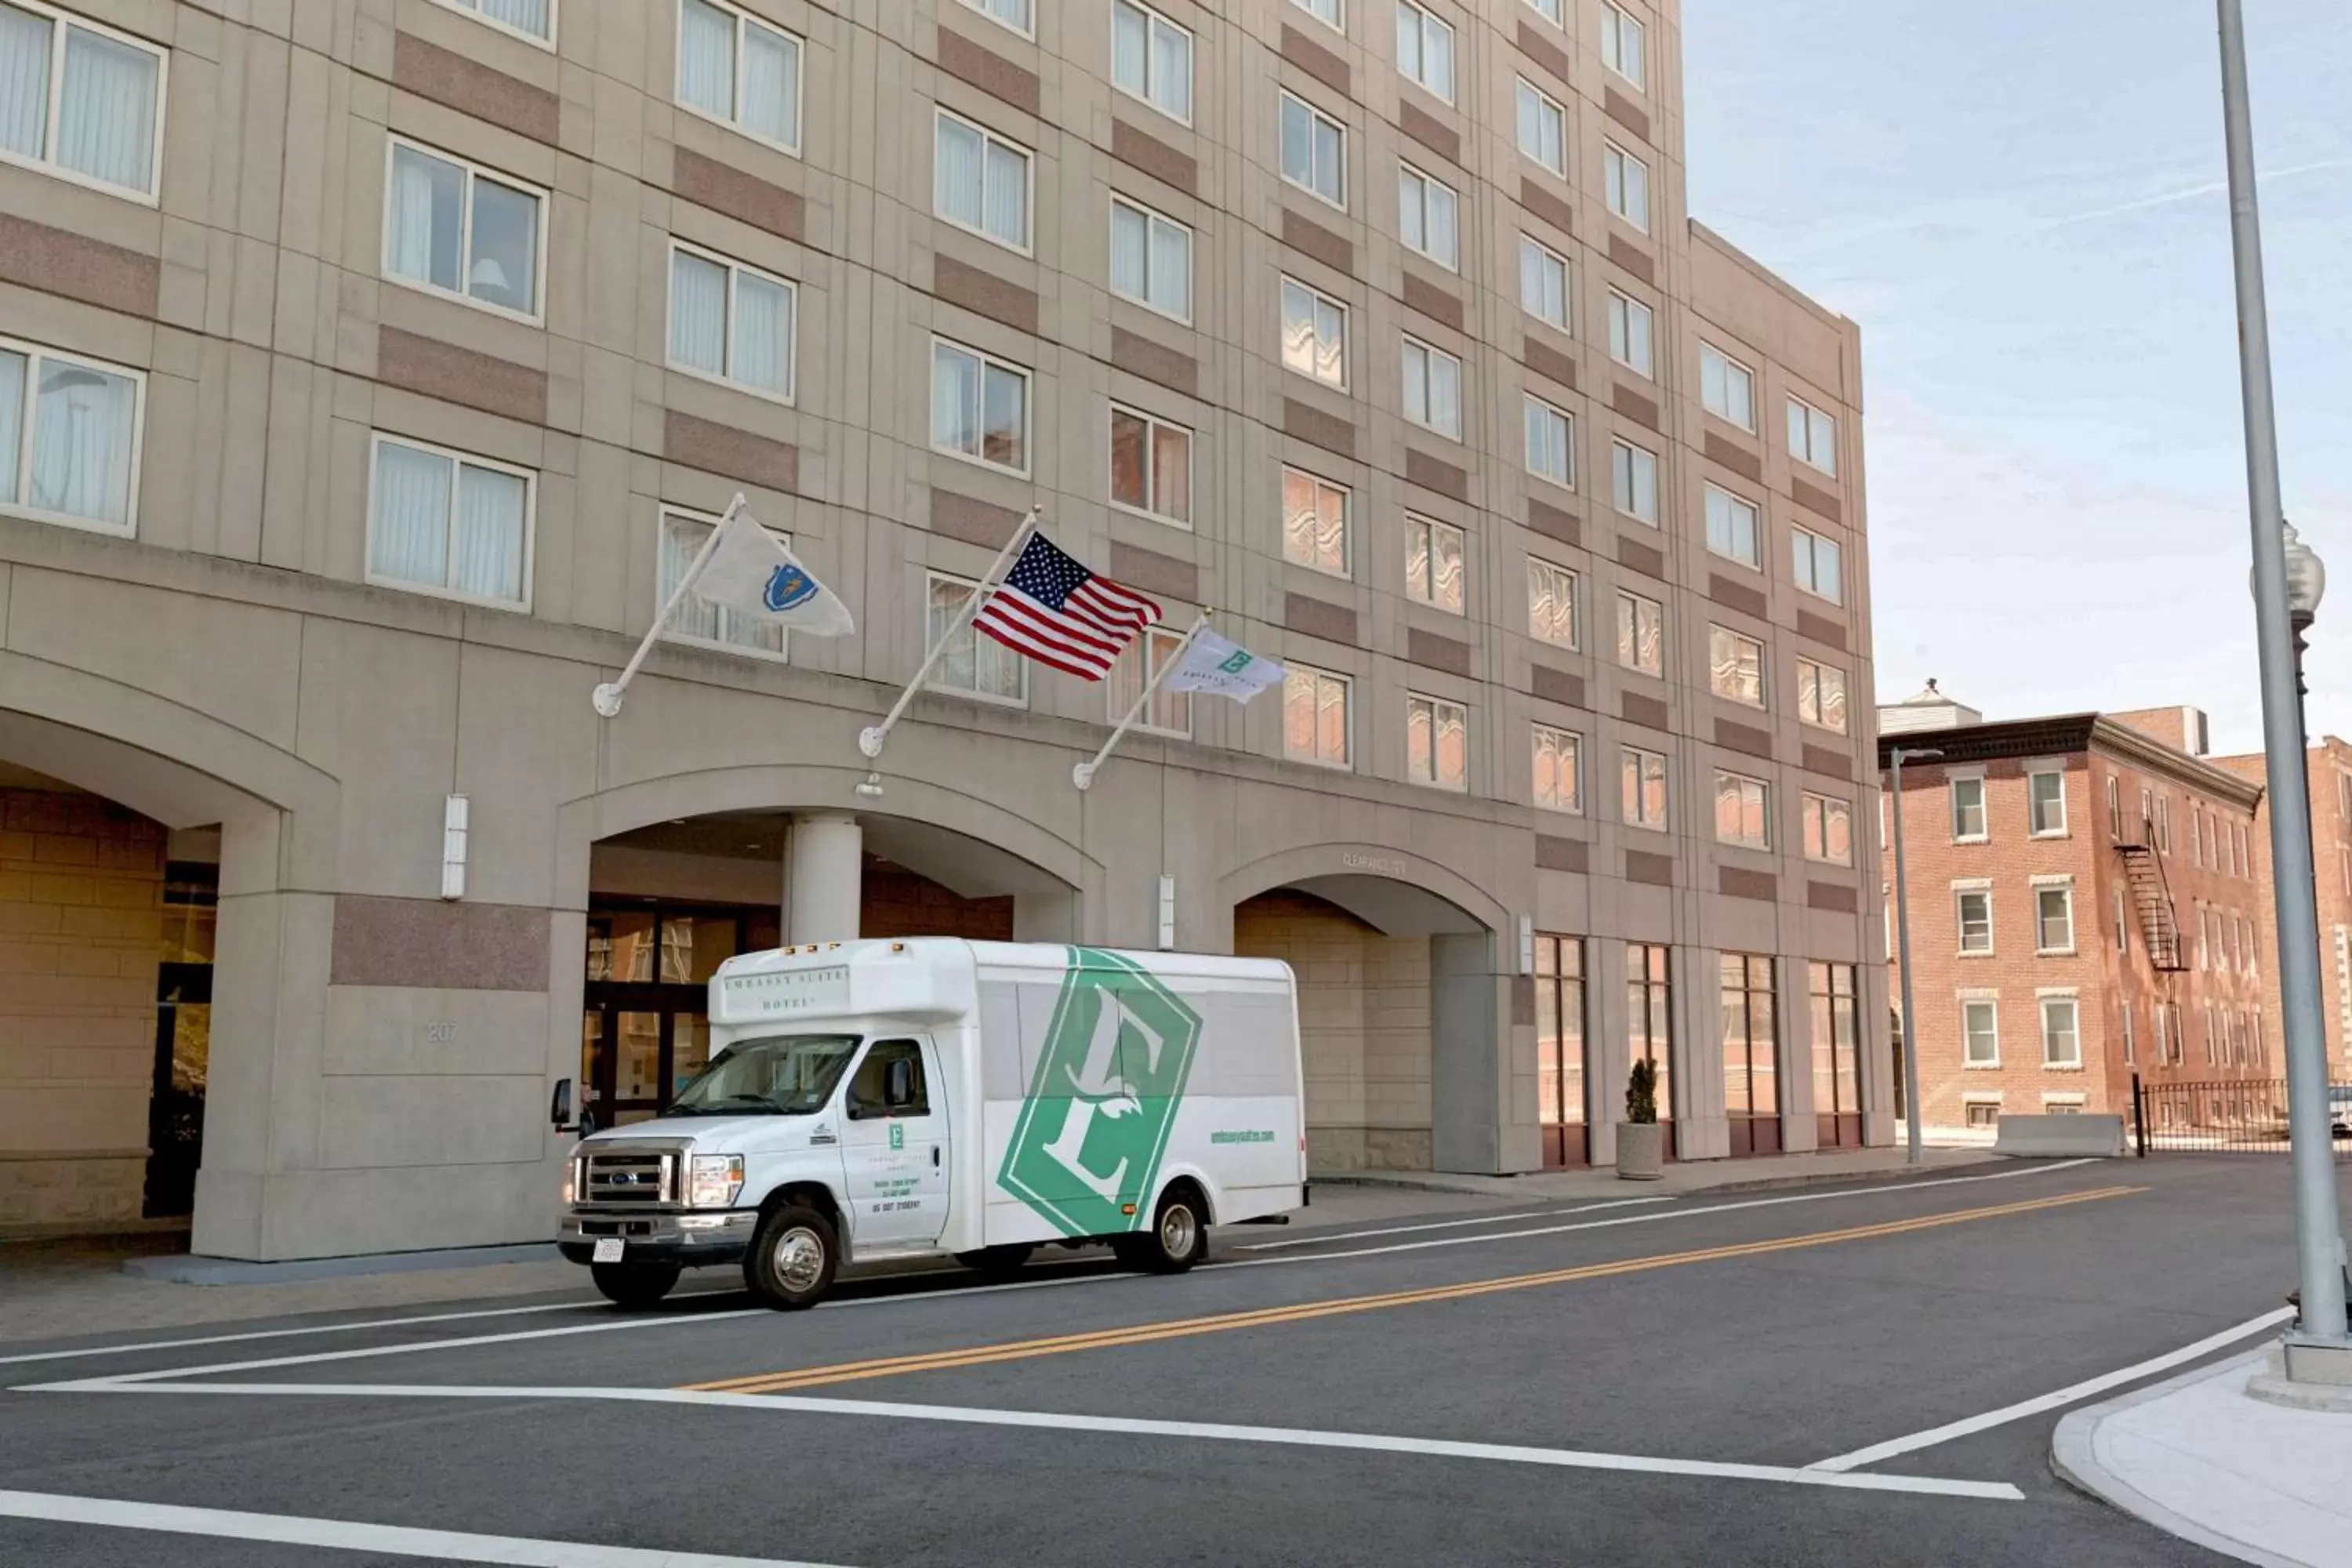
[1145, 1333]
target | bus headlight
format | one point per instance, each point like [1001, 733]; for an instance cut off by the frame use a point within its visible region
[714, 1180]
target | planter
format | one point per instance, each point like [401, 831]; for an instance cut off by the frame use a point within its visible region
[1641, 1151]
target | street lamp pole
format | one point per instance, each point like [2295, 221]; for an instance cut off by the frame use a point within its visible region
[2319, 1236]
[1903, 955]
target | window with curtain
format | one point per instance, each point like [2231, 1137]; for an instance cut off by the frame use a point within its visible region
[1743, 811]
[1821, 694]
[981, 182]
[1151, 258]
[1543, 282]
[1736, 665]
[1552, 443]
[1734, 527]
[68, 438]
[1623, 46]
[732, 321]
[1170, 713]
[973, 664]
[1433, 388]
[1641, 632]
[739, 70]
[1314, 151]
[1630, 329]
[1634, 479]
[1433, 562]
[458, 230]
[1560, 769]
[1436, 743]
[77, 99]
[1314, 523]
[1326, 12]
[449, 523]
[980, 406]
[1625, 185]
[1151, 58]
[1815, 562]
[1314, 333]
[1014, 14]
[1427, 216]
[1643, 785]
[1552, 604]
[1727, 388]
[1150, 466]
[1315, 716]
[1543, 127]
[535, 19]
[1829, 830]
[683, 535]
[1425, 50]
[1813, 435]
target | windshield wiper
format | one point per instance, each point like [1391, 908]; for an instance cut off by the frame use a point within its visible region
[733, 1105]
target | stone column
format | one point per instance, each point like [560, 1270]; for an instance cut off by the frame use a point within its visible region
[1475, 1067]
[824, 877]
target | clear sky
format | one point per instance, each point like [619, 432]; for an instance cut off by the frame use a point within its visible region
[2020, 201]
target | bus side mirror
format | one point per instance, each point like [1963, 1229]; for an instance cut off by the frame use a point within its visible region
[898, 1084]
[559, 1110]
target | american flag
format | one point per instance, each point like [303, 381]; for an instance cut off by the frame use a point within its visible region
[1058, 613]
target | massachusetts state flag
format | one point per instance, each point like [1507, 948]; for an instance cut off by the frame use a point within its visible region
[1058, 613]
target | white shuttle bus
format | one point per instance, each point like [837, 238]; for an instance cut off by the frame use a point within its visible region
[877, 1099]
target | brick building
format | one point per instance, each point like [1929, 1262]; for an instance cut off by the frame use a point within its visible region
[2328, 768]
[2089, 897]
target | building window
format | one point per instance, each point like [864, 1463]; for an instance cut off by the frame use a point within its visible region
[2131, 1046]
[457, 230]
[1829, 830]
[1813, 435]
[1560, 769]
[1630, 324]
[981, 182]
[696, 620]
[1981, 1031]
[1433, 562]
[980, 406]
[79, 101]
[1432, 389]
[1150, 466]
[2164, 824]
[1645, 788]
[1436, 743]
[1151, 58]
[1552, 604]
[1326, 12]
[1150, 259]
[1314, 151]
[1551, 444]
[1968, 809]
[1314, 333]
[739, 70]
[975, 665]
[1736, 665]
[1625, 184]
[1559, 1030]
[2062, 1046]
[2122, 925]
[2053, 919]
[1751, 1040]
[1426, 217]
[450, 524]
[1623, 46]
[1734, 527]
[1425, 50]
[1743, 811]
[2114, 809]
[2047, 801]
[1550, 11]
[1837, 1037]
[1170, 713]
[70, 430]
[1543, 127]
[1315, 716]
[1314, 523]
[1633, 480]
[1816, 567]
[1727, 388]
[1543, 283]
[1649, 1015]
[1014, 14]
[1821, 694]
[2200, 936]
[1982, 1114]
[532, 19]
[731, 321]
[1975, 909]
[1641, 634]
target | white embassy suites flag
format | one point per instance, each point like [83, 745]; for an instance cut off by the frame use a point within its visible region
[1222, 665]
[750, 571]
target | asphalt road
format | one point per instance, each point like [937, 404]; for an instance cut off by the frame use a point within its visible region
[1646, 1382]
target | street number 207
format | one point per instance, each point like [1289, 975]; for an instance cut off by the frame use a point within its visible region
[440, 1034]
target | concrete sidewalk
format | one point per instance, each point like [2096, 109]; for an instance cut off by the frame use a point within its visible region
[2199, 1457]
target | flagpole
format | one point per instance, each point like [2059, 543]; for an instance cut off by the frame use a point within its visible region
[1083, 774]
[607, 696]
[870, 741]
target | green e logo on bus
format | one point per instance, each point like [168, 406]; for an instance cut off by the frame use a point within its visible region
[1090, 1136]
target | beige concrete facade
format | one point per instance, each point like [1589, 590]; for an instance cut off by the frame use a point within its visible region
[231, 651]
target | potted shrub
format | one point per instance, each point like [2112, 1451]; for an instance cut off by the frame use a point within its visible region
[1640, 1141]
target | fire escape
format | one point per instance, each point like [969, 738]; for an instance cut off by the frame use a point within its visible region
[2159, 926]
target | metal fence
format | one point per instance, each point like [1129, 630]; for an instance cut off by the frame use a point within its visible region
[2237, 1116]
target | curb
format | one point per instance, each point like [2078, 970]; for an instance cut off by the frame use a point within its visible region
[186, 1268]
[1439, 1184]
[2074, 1460]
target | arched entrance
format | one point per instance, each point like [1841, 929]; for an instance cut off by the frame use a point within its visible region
[1412, 1020]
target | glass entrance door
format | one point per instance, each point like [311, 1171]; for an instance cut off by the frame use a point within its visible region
[643, 1030]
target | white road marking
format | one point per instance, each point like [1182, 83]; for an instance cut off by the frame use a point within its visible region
[2055, 1399]
[347, 1535]
[624, 1324]
[1443, 1225]
[1371, 1442]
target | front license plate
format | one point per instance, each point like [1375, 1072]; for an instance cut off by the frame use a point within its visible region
[608, 1249]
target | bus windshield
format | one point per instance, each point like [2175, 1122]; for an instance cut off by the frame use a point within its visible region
[770, 1075]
